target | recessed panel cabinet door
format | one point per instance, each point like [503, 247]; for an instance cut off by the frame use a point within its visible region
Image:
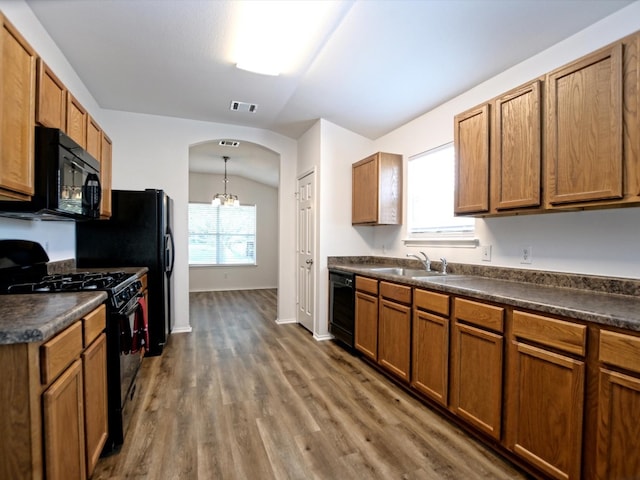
[17, 113]
[394, 342]
[471, 139]
[94, 361]
[548, 420]
[64, 426]
[366, 334]
[517, 143]
[430, 362]
[477, 377]
[584, 138]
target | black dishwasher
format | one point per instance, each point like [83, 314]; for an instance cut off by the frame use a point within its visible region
[342, 307]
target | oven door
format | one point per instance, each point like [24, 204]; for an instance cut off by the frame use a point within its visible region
[130, 359]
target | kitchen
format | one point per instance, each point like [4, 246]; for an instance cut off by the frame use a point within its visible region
[571, 242]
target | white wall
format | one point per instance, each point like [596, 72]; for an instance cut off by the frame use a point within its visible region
[264, 274]
[600, 242]
[153, 152]
[330, 150]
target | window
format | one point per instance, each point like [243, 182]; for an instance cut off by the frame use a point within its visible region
[430, 197]
[220, 235]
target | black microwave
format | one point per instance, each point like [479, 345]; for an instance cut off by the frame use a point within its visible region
[66, 183]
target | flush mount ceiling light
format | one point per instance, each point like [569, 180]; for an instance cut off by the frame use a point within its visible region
[229, 143]
[225, 199]
[274, 37]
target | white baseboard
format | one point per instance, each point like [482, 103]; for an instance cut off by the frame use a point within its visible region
[283, 321]
[323, 338]
[186, 329]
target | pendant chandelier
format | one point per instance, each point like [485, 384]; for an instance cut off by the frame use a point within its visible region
[225, 199]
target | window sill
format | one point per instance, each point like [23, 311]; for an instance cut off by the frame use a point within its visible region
[452, 242]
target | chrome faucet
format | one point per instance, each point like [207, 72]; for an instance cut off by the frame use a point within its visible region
[444, 265]
[426, 262]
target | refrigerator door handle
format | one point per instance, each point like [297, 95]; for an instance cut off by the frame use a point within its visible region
[170, 252]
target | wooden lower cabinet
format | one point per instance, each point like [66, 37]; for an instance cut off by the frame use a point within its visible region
[394, 338]
[430, 345]
[63, 408]
[366, 313]
[54, 403]
[477, 377]
[94, 363]
[477, 364]
[549, 412]
[618, 437]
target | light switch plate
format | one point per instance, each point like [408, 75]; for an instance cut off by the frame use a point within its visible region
[526, 255]
[486, 253]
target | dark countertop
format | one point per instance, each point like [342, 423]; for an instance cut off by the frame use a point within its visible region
[37, 317]
[610, 309]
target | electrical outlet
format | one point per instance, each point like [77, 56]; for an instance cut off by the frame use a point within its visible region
[486, 253]
[526, 255]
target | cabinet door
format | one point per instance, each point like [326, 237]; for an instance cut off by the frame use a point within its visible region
[367, 325]
[51, 108]
[516, 149]
[94, 138]
[364, 207]
[64, 426]
[471, 140]
[17, 113]
[430, 362]
[76, 121]
[94, 362]
[547, 423]
[394, 338]
[584, 141]
[618, 429]
[477, 377]
[105, 176]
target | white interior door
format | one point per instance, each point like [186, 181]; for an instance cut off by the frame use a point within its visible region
[305, 250]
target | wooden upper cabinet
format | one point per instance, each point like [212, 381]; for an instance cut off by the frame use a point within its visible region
[105, 175]
[471, 140]
[377, 190]
[17, 114]
[592, 129]
[94, 138]
[51, 107]
[516, 149]
[76, 121]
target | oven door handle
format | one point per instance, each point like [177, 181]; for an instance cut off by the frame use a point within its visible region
[134, 306]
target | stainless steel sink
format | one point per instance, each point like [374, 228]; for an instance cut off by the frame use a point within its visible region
[405, 272]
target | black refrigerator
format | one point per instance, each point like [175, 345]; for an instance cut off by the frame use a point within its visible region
[137, 234]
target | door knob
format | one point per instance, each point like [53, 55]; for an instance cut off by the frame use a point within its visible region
[309, 262]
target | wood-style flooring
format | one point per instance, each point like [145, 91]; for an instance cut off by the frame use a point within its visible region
[244, 398]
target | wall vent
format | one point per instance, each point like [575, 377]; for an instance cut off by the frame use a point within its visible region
[243, 106]
[229, 143]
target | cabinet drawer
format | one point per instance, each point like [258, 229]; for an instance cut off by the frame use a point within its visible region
[620, 350]
[368, 285]
[392, 291]
[570, 337]
[431, 301]
[94, 323]
[480, 314]
[58, 353]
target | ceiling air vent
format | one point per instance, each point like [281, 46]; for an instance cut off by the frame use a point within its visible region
[243, 107]
[229, 143]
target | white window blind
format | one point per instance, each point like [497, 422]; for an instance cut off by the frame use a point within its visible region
[430, 196]
[221, 235]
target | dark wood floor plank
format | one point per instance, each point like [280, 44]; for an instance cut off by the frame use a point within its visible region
[244, 398]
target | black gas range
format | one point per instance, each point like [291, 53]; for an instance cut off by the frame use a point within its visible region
[23, 270]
